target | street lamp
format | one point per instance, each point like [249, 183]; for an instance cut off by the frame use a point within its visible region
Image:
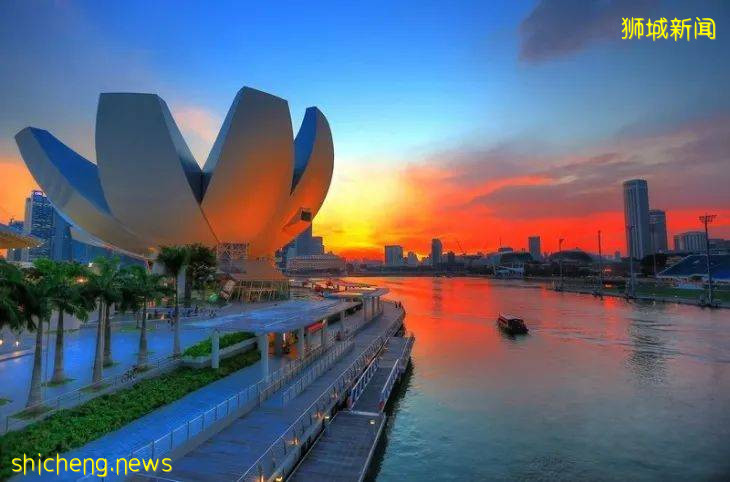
[707, 219]
[632, 240]
[560, 261]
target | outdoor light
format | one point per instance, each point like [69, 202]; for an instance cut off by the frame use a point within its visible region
[372, 422]
[17, 343]
[279, 478]
[1, 341]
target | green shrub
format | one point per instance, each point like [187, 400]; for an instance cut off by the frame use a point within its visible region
[205, 347]
[69, 429]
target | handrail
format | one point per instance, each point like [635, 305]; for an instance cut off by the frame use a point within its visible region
[256, 470]
[77, 396]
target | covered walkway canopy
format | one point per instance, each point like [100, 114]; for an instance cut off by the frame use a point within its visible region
[11, 239]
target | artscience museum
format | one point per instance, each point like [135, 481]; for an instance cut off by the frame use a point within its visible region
[259, 188]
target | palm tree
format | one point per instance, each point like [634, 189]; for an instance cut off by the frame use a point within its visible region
[201, 268]
[30, 293]
[64, 281]
[139, 288]
[103, 285]
[174, 259]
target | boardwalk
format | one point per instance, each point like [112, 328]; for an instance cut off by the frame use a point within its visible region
[230, 453]
[344, 450]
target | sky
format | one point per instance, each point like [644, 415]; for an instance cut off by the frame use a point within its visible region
[477, 122]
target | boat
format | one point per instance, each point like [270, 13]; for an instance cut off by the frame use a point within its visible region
[512, 325]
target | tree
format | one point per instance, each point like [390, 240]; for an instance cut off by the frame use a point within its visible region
[64, 288]
[29, 293]
[174, 259]
[201, 267]
[104, 286]
[139, 288]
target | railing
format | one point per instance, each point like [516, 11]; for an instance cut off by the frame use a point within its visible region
[238, 404]
[398, 368]
[319, 368]
[72, 398]
[290, 439]
[362, 382]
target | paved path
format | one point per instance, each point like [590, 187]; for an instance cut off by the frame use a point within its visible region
[228, 454]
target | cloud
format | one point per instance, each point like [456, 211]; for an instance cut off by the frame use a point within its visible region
[476, 197]
[200, 127]
[556, 28]
[16, 185]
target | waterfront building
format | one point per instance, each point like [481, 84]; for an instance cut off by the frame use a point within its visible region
[690, 242]
[412, 260]
[39, 216]
[658, 230]
[636, 218]
[436, 250]
[393, 255]
[316, 263]
[533, 243]
[258, 189]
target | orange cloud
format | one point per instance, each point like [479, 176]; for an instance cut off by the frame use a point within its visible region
[16, 185]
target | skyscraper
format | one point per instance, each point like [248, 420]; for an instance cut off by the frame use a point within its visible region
[533, 243]
[636, 217]
[436, 250]
[658, 230]
[394, 255]
[38, 222]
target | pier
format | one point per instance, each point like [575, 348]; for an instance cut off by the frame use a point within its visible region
[269, 440]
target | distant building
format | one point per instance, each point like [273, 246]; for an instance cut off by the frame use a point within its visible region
[505, 249]
[39, 216]
[658, 231]
[719, 245]
[533, 246]
[617, 256]
[15, 254]
[412, 260]
[690, 242]
[450, 258]
[394, 255]
[316, 263]
[436, 250]
[636, 217]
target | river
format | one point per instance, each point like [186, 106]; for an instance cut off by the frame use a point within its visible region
[598, 390]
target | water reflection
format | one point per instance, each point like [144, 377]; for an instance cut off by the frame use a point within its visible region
[599, 389]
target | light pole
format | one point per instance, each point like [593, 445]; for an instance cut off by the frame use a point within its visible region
[560, 261]
[707, 219]
[600, 266]
[631, 260]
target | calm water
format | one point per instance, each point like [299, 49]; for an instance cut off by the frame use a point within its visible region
[597, 390]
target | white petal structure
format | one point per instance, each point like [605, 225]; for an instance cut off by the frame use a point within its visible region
[258, 188]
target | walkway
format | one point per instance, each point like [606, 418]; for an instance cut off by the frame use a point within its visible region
[231, 452]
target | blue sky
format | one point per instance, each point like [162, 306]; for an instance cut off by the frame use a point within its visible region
[403, 84]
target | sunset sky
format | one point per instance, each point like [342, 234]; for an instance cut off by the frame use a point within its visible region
[468, 121]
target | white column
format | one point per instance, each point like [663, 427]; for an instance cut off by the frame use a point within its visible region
[323, 341]
[278, 344]
[364, 309]
[215, 353]
[300, 342]
[263, 343]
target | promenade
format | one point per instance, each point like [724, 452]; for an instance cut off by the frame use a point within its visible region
[238, 449]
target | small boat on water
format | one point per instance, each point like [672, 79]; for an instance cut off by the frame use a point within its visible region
[512, 324]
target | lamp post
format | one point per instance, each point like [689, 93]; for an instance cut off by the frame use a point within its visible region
[707, 219]
[631, 229]
[560, 261]
[600, 266]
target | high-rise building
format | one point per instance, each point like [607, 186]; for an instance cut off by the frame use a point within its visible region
[691, 242]
[658, 230]
[436, 250]
[412, 260]
[393, 255]
[533, 243]
[636, 216]
[39, 214]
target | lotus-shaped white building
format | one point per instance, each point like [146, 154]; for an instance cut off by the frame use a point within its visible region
[258, 189]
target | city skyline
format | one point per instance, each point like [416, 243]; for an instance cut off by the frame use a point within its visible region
[491, 142]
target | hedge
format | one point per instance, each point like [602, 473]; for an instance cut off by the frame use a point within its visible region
[205, 347]
[72, 428]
